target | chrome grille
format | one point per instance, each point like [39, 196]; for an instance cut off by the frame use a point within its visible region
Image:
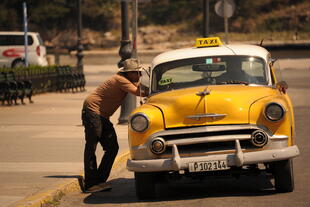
[212, 147]
[208, 134]
[208, 139]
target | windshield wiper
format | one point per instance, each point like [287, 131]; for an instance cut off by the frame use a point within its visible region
[235, 82]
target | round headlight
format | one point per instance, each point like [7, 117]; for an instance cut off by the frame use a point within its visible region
[274, 112]
[139, 122]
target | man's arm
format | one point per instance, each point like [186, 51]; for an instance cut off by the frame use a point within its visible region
[144, 90]
[133, 88]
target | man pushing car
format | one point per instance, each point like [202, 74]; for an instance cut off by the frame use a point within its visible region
[98, 107]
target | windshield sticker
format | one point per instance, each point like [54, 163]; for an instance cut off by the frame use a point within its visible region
[209, 61]
[165, 81]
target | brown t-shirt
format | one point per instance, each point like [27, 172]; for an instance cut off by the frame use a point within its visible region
[109, 95]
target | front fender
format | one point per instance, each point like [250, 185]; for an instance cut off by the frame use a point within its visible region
[285, 126]
[156, 124]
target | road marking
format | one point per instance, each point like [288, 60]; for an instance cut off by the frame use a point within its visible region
[41, 166]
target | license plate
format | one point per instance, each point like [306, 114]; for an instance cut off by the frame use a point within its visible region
[208, 166]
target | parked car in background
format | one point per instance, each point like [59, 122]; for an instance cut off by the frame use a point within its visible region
[213, 110]
[12, 49]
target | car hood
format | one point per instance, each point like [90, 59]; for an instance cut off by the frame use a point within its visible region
[212, 105]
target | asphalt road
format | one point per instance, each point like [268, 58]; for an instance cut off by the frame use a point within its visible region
[245, 191]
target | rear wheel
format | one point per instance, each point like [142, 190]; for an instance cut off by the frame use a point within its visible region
[18, 63]
[145, 185]
[284, 176]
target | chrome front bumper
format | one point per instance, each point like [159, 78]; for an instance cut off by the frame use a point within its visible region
[239, 158]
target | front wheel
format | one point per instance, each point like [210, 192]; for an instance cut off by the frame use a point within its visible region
[284, 176]
[145, 185]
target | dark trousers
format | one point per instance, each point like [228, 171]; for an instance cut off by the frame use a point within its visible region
[98, 129]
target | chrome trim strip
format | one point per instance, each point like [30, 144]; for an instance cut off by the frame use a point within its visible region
[199, 129]
[198, 140]
[278, 137]
[209, 115]
[135, 148]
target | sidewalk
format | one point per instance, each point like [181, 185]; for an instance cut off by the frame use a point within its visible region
[42, 144]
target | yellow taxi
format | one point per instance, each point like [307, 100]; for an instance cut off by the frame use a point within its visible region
[213, 109]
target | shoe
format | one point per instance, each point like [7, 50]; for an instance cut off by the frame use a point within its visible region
[95, 189]
[81, 183]
[105, 186]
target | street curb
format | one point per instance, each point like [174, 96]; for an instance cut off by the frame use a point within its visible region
[54, 195]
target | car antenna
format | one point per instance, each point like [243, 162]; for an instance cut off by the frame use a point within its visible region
[261, 42]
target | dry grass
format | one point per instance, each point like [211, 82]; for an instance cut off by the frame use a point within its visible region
[267, 36]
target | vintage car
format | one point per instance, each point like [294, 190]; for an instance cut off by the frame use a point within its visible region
[213, 109]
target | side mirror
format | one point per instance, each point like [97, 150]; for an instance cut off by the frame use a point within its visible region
[282, 86]
[273, 60]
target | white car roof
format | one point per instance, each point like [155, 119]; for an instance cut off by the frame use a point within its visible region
[179, 54]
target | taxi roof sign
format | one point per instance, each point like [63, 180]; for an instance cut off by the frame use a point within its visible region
[208, 42]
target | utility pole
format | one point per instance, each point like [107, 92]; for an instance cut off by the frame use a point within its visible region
[225, 10]
[80, 48]
[134, 27]
[125, 52]
[125, 48]
[206, 18]
[25, 33]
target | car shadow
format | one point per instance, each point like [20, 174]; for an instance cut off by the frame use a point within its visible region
[124, 190]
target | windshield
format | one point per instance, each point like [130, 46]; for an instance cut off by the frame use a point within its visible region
[215, 70]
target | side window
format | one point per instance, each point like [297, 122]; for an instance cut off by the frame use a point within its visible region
[275, 65]
[3, 40]
[30, 40]
[145, 79]
[7, 40]
[19, 40]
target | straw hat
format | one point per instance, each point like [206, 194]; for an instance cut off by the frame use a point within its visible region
[131, 64]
